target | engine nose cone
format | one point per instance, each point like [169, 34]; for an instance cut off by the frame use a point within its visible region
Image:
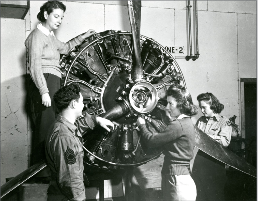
[143, 97]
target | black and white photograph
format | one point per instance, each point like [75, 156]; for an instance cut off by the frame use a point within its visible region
[129, 100]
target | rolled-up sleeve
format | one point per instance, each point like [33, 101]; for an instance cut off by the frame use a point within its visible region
[85, 123]
[220, 131]
[68, 159]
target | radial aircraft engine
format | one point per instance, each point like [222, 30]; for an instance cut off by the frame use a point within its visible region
[112, 87]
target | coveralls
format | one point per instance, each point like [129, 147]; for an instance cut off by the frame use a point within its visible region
[64, 154]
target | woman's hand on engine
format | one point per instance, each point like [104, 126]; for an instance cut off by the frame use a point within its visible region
[140, 121]
[88, 33]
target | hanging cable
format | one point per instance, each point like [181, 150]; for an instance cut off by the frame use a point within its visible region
[195, 24]
[192, 41]
[188, 30]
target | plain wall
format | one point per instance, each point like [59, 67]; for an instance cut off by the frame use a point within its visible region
[14, 124]
[227, 44]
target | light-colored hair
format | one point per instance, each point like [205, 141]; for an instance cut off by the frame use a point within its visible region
[183, 99]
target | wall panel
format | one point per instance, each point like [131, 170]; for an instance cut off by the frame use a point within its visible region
[216, 69]
[14, 131]
[247, 43]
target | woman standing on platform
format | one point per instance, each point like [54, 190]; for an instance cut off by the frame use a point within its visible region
[178, 140]
[43, 54]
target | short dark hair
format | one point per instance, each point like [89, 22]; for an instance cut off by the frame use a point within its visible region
[183, 99]
[210, 99]
[49, 6]
[65, 95]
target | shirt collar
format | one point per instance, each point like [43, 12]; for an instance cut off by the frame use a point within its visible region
[70, 126]
[44, 30]
[181, 116]
[216, 117]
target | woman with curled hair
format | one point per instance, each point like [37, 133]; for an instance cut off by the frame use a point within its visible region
[43, 54]
[205, 168]
[178, 140]
[184, 99]
[212, 123]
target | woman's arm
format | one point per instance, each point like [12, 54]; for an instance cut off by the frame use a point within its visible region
[34, 46]
[218, 130]
[155, 139]
[224, 136]
[64, 48]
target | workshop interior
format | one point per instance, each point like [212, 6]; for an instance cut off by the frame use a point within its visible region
[140, 49]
